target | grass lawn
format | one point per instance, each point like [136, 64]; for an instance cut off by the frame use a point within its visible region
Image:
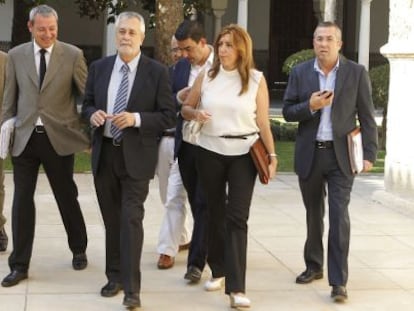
[284, 150]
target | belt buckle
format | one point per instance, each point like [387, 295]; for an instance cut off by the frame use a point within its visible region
[320, 145]
[39, 129]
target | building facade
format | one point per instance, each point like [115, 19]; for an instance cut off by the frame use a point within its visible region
[278, 28]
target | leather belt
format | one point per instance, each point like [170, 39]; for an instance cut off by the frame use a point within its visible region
[112, 141]
[324, 144]
[243, 136]
[39, 129]
[168, 134]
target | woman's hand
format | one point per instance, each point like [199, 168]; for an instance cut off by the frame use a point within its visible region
[272, 167]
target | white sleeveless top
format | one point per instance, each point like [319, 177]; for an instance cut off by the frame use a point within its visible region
[231, 114]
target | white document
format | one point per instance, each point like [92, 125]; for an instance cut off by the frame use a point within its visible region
[356, 151]
[6, 136]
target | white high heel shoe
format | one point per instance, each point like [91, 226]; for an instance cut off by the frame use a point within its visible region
[239, 300]
[214, 284]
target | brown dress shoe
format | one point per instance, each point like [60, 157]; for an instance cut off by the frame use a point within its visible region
[184, 247]
[165, 262]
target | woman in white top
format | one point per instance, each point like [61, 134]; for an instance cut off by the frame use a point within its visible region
[234, 110]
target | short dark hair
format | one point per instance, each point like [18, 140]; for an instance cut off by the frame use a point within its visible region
[190, 30]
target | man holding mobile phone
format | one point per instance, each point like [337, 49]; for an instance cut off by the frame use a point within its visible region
[326, 95]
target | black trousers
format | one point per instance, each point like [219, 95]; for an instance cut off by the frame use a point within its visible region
[228, 182]
[59, 171]
[197, 254]
[325, 171]
[121, 200]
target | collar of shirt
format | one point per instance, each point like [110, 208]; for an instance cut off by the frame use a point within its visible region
[37, 48]
[208, 63]
[318, 69]
[132, 65]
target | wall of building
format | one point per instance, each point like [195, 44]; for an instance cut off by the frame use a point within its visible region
[5, 24]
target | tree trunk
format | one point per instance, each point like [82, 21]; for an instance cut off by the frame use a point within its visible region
[20, 33]
[168, 15]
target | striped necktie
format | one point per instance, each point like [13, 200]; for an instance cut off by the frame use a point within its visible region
[120, 101]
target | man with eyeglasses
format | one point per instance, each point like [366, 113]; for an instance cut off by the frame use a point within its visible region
[128, 101]
[326, 95]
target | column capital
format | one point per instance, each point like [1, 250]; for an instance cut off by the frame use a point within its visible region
[219, 4]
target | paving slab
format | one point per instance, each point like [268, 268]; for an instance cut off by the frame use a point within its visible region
[381, 261]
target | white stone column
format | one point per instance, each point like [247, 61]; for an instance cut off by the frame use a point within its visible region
[109, 47]
[364, 33]
[219, 8]
[330, 11]
[242, 13]
[399, 161]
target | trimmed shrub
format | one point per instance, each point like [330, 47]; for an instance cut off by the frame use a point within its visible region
[295, 59]
[380, 80]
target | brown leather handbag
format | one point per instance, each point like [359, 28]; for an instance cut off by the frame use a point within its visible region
[261, 160]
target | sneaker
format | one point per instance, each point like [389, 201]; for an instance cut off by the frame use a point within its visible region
[214, 284]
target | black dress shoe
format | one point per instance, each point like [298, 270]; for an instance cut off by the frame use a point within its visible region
[132, 301]
[110, 289]
[4, 240]
[79, 261]
[13, 278]
[308, 276]
[193, 274]
[339, 293]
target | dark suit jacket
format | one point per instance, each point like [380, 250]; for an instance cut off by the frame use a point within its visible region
[352, 99]
[180, 77]
[150, 96]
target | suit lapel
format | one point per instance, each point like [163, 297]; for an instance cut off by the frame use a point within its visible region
[313, 78]
[30, 64]
[106, 78]
[142, 71]
[341, 76]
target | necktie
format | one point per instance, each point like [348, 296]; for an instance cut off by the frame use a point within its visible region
[42, 67]
[120, 101]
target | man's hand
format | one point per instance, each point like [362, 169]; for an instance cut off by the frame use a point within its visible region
[367, 166]
[98, 118]
[320, 99]
[182, 94]
[123, 120]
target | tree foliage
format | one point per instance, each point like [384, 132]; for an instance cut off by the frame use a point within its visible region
[189, 6]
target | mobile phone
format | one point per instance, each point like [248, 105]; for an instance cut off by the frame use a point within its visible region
[325, 92]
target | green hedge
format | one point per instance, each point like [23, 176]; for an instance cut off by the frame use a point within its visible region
[380, 80]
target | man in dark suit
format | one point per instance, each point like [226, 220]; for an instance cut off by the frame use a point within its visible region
[125, 147]
[197, 56]
[44, 77]
[321, 154]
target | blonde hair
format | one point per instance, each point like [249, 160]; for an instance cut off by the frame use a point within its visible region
[242, 43]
